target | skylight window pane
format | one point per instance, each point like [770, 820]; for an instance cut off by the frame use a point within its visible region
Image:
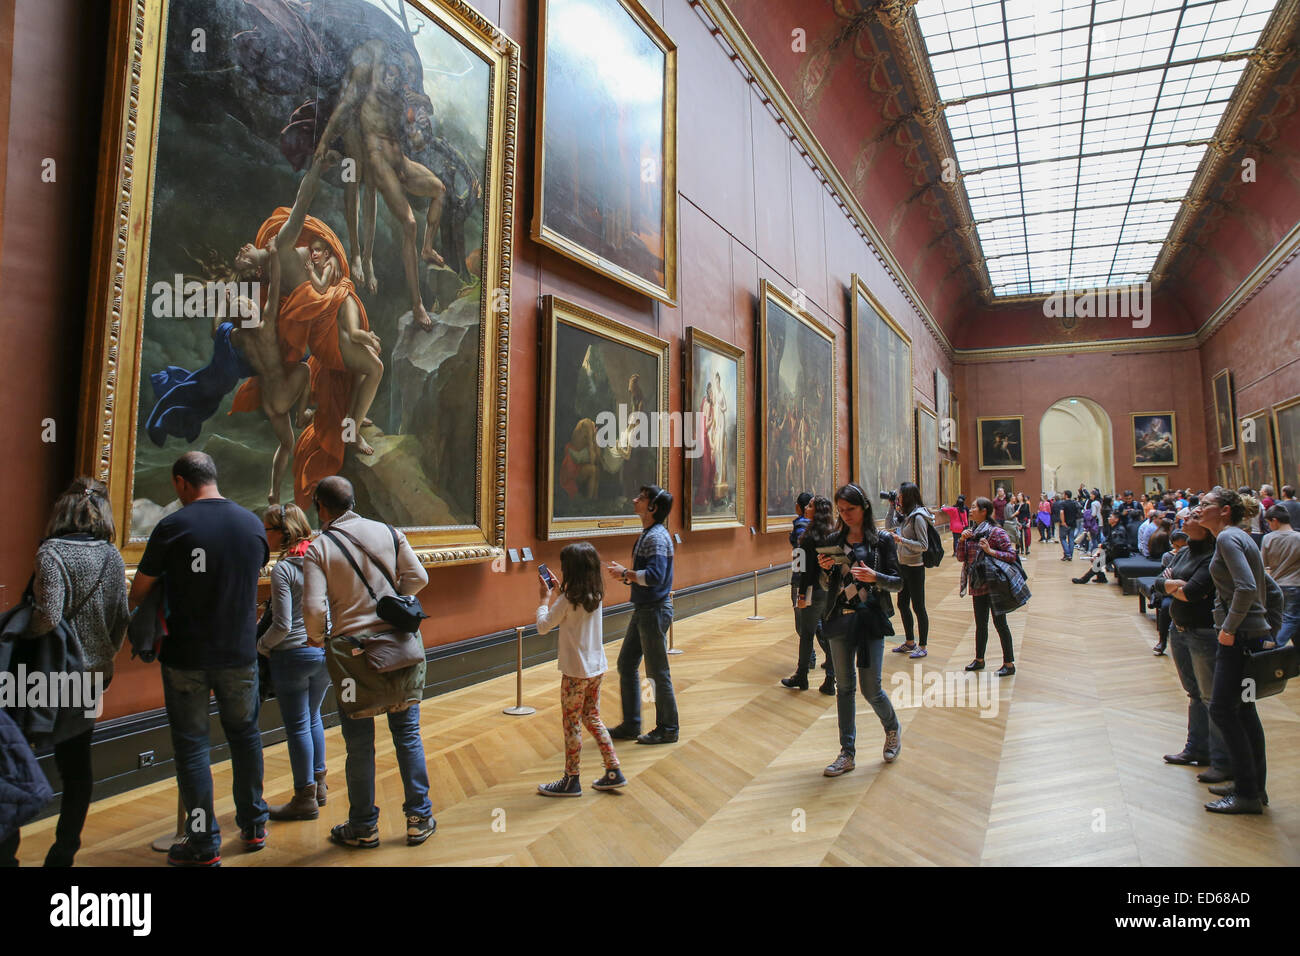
[1072, 178]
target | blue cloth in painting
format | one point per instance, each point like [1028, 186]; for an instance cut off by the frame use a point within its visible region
[184, 400]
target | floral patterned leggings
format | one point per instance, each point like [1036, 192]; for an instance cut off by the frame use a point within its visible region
[580, 706]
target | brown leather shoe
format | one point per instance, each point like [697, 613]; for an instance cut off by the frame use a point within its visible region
[301, 807]
[321, 789]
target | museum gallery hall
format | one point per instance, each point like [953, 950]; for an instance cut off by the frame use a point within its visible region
[746, 433]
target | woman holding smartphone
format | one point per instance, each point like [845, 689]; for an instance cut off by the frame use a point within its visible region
[984, 537]
[862, 575]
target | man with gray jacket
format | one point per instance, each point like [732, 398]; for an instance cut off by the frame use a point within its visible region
[334, 593]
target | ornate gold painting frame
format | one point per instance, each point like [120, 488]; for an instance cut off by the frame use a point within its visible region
[698, 338]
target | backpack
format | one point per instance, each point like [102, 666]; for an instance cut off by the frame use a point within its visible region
[934, 549]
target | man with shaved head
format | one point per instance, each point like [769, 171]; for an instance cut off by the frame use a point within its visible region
[208, 557]
[351, 564]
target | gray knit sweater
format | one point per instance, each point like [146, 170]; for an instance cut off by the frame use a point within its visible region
[66, 571]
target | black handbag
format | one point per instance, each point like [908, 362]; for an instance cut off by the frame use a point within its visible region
[403, 611]
[1270, 669]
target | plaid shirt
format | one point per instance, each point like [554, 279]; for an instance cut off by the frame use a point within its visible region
[969, 550]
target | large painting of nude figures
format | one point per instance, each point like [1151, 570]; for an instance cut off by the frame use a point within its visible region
[605, 427]
[316, 276]
[797, 385]
[714, 469]
[881, 383]
[605, 186]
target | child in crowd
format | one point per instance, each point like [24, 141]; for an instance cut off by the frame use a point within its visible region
[574, 605]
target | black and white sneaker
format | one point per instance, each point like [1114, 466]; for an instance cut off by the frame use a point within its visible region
[185, 853]
[612, 780]
[566, 786]
[356, 837]
[419, 829]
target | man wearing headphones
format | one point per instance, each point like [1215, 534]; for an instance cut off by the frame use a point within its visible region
[651, 581]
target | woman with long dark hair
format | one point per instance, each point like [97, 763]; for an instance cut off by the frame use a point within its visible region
[79, 582]
[298, 670]
[985, 538]
[811, 594]
[863, 573]
[958, 519]
[802, 518]
[908, 524]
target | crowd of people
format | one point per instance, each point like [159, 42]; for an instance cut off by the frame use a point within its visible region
[342, 611]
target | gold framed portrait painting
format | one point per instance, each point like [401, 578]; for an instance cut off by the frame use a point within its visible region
[1006, 485]
[797, 394]
[1155, 485]
[605, 187]
[1224, 419]
[257, 295]
[927, 453]
[880, 353]
[713, 428]
[1001, 442]
[942, 398]
[1155, 438]
[1256, 431]
[605, 427]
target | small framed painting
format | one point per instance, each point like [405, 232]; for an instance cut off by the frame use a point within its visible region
[1155, 438]
[1223, 411]
[714, 470]
[942, 396]
[1006, 485]
[1001, 442]
[1155, 484]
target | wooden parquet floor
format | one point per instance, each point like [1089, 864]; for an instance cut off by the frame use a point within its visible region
[1061, 768]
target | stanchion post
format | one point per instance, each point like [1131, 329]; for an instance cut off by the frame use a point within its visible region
[164, 843]
[519, 710]
[756, 616]
[671, 649]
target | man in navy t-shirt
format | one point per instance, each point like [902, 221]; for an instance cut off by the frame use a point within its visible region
[208, 557]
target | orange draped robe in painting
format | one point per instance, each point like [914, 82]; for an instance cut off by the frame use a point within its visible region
[308, 326]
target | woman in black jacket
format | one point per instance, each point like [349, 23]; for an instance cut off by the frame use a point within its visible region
[802, 518]
[863, 573]
[810, 594]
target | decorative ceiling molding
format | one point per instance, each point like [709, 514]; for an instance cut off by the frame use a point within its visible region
[1278, 259]
[1164, 343]
[741, 51]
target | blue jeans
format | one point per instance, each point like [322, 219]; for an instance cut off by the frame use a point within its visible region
[844, 653]
[1193, 651]
[805, 623]
[647, 635]
[1237, 719]
[359, 738]
[1067, 539]
[1290, 628]
[238, 704]
[301, 680]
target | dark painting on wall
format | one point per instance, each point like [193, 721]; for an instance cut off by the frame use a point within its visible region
[605, 418]
[715, 469]
[1223, 410]
[1001, 442]
[1286, 431]
[1155, 438]
[606, 177]
[328, 127]
[1006, 485]
[881, 388]
[1256, 432]
[797, 387]
[927, 454]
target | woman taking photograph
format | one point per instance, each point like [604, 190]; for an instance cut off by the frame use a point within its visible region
[80, 582]
[908, 522]
[862, 575]
[810, 594]
[986, 538]
[298, 671]
[958, 519]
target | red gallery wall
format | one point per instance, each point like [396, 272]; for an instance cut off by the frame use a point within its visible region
[750, 208]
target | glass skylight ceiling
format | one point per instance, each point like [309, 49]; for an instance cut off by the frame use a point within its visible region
[1074, 173]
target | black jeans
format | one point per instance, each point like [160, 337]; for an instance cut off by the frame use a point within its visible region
[983, 608]
[912, 598]
[805, 623]
[72, 758]
[1238, 719]
[1163, 620]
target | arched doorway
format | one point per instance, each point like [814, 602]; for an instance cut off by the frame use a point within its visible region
[1074, 438]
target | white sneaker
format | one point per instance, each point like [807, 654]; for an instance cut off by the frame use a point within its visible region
[893, 744]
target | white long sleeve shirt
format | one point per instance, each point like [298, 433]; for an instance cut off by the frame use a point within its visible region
[581, 647]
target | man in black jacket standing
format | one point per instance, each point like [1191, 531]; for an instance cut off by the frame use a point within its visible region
[1068, 521]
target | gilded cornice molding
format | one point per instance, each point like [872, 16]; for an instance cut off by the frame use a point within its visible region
[742, 52]
[1278, 259]
[1164, 343]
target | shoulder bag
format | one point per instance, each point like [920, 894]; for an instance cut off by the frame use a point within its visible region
[403, 647]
